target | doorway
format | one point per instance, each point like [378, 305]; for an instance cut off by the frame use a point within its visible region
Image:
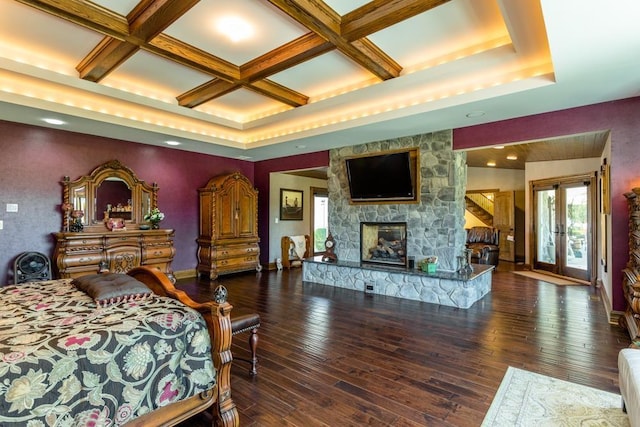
[319, 218]
[563, 227]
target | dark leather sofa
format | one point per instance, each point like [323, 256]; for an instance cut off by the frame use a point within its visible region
[483, 242]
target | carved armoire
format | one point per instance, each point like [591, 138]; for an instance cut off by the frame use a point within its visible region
[228, 240]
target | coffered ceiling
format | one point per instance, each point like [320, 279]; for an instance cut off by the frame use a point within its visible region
[313, 75]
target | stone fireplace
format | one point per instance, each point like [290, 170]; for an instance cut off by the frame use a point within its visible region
[384, 243]
[435, 225]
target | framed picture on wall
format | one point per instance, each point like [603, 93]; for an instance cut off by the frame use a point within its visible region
[290, 205]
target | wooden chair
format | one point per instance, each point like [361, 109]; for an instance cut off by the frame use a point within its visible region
[289, 257]
[248, 323]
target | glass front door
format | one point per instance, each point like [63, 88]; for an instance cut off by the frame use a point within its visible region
[562, 219]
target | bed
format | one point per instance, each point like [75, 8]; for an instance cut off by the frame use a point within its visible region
[294, 250]
[137, 359]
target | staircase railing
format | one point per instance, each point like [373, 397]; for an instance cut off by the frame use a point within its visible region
[482, 200]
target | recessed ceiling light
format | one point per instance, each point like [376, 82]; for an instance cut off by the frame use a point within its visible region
[512, 157]
[54, 121]
[475, 114]
[301, 146]
[499, 147]
[235, 28]
[173, 143]
[491, 164]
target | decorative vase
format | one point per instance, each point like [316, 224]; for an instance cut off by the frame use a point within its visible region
[155, 225]
[76, 226]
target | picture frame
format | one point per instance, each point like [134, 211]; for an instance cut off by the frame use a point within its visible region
[291, 204]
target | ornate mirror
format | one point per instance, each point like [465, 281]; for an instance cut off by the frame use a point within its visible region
[112, 190]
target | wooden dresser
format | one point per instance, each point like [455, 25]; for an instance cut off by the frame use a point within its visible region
[77, 254]
[228, 240]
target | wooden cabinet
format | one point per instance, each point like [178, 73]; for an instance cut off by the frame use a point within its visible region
[228, 240]
[631, 276]
[77, 254]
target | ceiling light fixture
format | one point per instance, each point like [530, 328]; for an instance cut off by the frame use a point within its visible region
[57, 122]
[499, 147]
[475, 114]
[491, 163]
[173, 143]
[512, 157]
[235, 28]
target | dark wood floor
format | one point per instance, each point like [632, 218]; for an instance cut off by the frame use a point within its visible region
[335, 357]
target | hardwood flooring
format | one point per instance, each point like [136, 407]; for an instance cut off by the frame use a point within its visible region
[335, 357]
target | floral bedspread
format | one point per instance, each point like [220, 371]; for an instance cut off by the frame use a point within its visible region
[66, 362]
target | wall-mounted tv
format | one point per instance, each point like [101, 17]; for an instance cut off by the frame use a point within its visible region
[389, 176]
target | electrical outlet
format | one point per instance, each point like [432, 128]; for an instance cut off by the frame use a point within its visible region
[12, 207]
[368, 288]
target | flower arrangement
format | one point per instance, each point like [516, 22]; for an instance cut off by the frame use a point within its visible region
[154, 217]
[76, 225]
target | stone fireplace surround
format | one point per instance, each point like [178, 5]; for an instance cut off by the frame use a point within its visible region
[435, 225]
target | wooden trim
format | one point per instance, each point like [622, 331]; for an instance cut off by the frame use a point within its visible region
[548, 183]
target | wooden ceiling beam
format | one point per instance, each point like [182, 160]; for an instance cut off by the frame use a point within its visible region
[150, 17]
[286, 56]
[146, 21]
[104, 58]
[380, 14]
[85, 14]
[278, 92]
[189, 56]
[206, 92]
[324, 21]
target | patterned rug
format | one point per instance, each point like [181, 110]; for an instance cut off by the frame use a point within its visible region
[529, 399]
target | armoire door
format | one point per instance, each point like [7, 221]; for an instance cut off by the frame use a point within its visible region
[247, 207]
[226, 212]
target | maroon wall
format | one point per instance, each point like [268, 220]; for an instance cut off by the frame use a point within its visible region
[622, 118]
[262, 182]
[34, 160]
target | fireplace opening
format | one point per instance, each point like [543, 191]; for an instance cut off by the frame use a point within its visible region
[383, 243]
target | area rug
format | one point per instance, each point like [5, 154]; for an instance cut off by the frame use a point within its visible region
[528, 399]
[547, 278]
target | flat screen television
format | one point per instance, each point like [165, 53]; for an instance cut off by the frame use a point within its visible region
[381, 177]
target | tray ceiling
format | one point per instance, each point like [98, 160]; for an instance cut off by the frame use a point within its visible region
[312, 76]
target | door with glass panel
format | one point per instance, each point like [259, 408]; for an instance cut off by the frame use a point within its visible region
[563, 226]
[319, 218]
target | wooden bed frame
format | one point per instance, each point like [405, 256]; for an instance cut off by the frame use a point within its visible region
[285, 244]
[217, 316]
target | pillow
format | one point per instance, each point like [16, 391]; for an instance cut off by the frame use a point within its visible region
[111, 288]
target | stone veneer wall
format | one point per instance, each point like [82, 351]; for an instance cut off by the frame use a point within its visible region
[435, 226]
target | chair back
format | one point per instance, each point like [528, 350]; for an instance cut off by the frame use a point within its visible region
[480, 234]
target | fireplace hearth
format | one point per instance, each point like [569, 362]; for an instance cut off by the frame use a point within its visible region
[383, 243]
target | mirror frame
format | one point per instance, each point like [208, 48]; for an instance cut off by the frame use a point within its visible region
[91, 183]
